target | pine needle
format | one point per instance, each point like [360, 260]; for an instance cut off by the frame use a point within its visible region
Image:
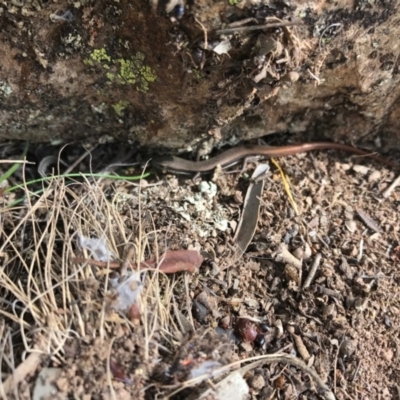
[286, 185]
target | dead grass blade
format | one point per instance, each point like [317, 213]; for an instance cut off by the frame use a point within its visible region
[55, 301]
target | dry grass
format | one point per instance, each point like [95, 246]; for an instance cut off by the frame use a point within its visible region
[46, 300]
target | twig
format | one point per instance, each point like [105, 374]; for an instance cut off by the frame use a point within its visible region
[205, 33]
[78, 160]
[257, 27]
[126, 263]
[335, 368]
[109, 377]
[323, 33]
[319, 80]
[390, 189]
[283, 255]
[323, 390]
[242, 22]
[361, 250]
[16, 162]
[313, 271]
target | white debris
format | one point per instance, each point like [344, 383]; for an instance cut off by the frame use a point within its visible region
[125, 290]
[97, 248]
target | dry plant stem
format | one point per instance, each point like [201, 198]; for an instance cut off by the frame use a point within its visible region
[323, 33]
[77, 161]
[205, 33]
[22, 371]
[256, 27]
[242, 22]
[313, 271]
[126, 264]
[318, 80]
[361, 250]
[109, 378]
[16, 162]
[335, 367]
[323, 390]
[100, 264]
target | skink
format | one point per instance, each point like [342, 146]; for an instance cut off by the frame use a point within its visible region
[234, 155]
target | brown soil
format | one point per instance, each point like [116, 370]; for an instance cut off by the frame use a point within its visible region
[344, 325]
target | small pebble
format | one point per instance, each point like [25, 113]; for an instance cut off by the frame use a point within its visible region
[225, 322]
[347, 348]
[199, 311]
[257, 382]
[246, 347]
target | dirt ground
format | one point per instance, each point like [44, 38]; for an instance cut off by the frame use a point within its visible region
[333, 308]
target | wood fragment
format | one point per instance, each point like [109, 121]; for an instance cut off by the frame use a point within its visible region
[390, 189]
[301, 348]
[257, 27]
[368, 220]
[283, 255]
[313, 271]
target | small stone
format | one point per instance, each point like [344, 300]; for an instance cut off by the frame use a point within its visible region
[351, 226]
[293, 76]
[347, 348]
[292, 273]
[246, 347]
[199, 311]
[257, 382]
[387, 355]
[62, 384]
[299, 253]
[329, 311]
[225, 322]
[375, 176]
[361, 169]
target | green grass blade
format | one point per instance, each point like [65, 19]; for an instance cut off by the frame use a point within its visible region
[76, 175]
[15, 166]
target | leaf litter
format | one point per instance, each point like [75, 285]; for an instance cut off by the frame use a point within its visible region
[310, 309]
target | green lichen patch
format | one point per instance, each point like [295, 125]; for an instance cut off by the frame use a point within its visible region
[100, 56]
[131, 71]
[120, 107]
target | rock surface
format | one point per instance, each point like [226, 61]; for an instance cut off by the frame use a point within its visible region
[166, 75]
